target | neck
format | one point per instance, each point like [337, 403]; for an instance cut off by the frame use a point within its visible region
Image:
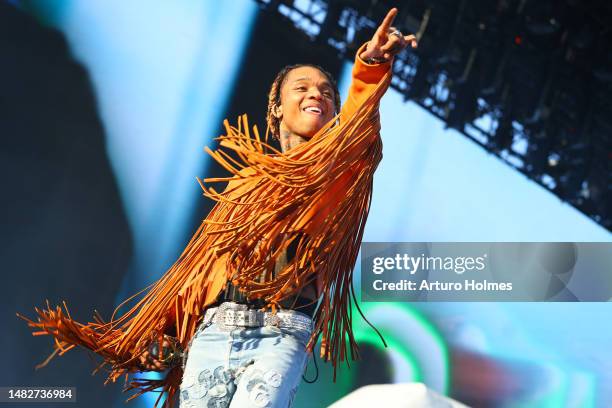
[290, 140]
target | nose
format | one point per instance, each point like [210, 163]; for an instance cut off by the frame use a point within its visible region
[314, 93]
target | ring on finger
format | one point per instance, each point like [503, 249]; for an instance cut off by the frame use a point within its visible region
[397, 33]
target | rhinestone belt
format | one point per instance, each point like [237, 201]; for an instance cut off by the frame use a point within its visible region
[230, 315]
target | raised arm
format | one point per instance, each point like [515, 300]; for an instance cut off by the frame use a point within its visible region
[373, 61]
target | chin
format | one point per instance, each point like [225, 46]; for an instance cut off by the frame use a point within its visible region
[311, 132]
[308, 130]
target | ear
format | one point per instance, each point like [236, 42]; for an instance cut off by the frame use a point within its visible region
[278, 111]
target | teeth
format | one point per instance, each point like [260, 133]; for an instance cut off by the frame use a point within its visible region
[312, 109]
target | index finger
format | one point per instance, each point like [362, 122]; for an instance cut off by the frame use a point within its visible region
[384, 26]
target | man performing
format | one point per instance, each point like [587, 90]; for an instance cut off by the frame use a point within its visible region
[270, 268]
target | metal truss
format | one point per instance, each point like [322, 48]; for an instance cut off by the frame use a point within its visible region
[528, 80]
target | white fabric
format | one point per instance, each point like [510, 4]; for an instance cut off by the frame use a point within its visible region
[409, 395]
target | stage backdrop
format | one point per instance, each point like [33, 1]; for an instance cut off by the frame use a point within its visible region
[107, 106]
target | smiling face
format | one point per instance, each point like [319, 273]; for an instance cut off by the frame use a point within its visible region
[307, 101]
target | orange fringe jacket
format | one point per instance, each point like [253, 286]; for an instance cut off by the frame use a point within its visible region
[318, 193]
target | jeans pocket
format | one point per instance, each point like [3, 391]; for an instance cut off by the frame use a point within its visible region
[301, 335]
[201, 328]
[205, 324]
[304, 336]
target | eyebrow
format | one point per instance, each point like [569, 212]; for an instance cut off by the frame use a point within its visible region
[326, 83]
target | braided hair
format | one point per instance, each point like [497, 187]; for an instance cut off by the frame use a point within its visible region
[274, 96]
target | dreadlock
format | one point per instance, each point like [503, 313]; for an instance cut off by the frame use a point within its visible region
[274, 97]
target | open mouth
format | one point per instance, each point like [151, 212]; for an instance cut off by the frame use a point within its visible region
[315, 110]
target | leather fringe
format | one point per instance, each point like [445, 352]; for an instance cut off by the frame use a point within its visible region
[317, 193]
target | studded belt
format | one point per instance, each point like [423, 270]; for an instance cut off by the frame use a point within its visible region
[229, 315]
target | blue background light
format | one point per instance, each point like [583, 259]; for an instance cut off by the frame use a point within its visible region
[162, 74]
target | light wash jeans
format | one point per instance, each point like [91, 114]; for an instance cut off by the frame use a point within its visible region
[244, 366]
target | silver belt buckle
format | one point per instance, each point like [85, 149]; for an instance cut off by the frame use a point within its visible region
[226, 315]
[250, 319]
[232, 315]
[242, 317]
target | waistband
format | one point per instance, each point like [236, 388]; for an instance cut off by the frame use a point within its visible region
[299, 303]
[229, 315]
